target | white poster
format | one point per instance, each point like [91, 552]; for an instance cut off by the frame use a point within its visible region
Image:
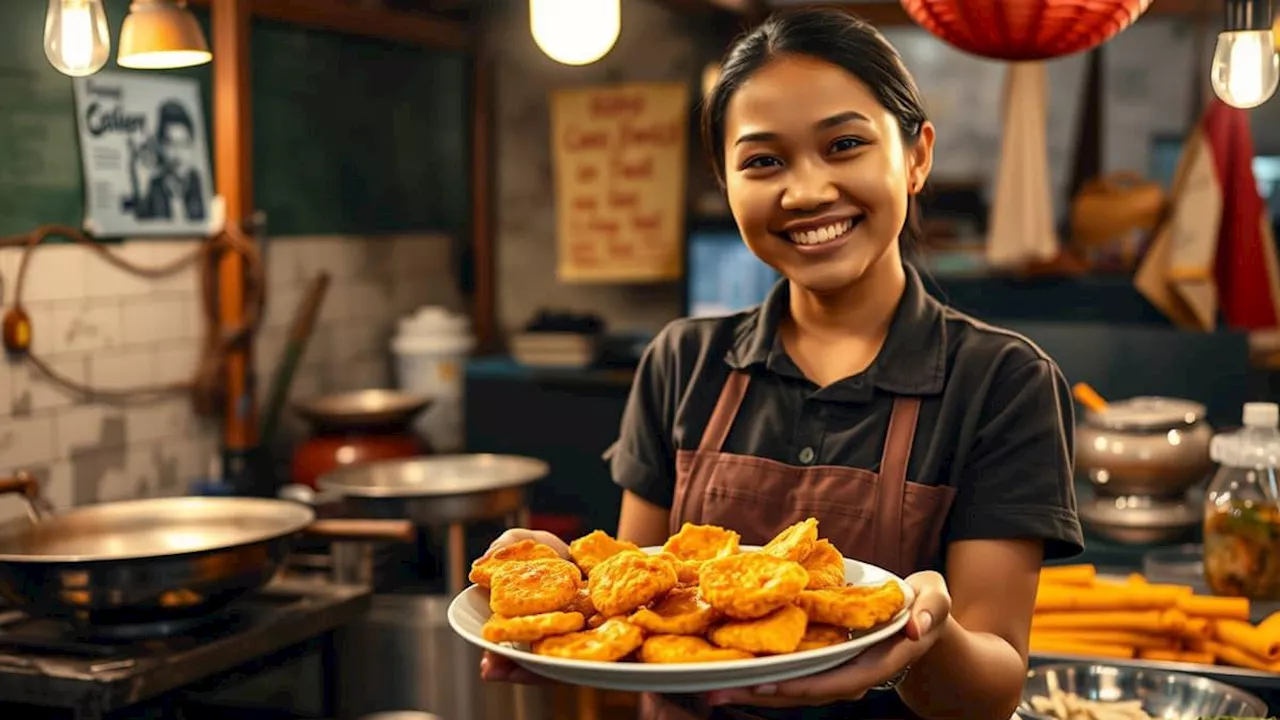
[145, 155]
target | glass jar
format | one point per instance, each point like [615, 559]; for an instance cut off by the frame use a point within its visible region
[1242, 509]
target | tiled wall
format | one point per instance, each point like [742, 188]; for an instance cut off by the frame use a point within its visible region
[97, 324]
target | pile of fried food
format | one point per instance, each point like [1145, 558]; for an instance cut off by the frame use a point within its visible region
[702, 599]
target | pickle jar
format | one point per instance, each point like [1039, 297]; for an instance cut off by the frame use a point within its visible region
[1242, 508]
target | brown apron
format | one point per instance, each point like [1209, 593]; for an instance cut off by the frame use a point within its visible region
[878, 518]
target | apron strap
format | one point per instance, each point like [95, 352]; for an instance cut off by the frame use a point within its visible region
[892, 480]
[735, 388]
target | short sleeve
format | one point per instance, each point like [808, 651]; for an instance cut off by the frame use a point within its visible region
[642, 459]
[1017, 478]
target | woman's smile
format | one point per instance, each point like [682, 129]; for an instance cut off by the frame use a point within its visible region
[820, 236]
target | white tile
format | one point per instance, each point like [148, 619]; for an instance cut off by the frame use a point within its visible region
[6, 385]
[33, 392]
[167, 418]
[83, 326]
[155, 318]
[57, 485]
[43, 318]
[167, 252]
[335, 255]
[286, 262]
[105, 280]
[421, 255]
[175, 362]
[9, 272]
[282, 303]
[90, 427]
[125, 369]
[55, 272]
[27, 441]
[368, 299]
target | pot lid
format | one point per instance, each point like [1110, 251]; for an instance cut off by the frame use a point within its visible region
[434, 476]
[1147, 413]
[377, 406]
[1141, 512]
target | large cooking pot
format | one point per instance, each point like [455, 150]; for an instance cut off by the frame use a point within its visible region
[355, 428]
[147, 562]
[1153, 446]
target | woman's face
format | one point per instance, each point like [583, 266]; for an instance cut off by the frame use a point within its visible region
[816, 172]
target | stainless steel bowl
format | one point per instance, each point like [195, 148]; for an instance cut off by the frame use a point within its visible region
[1164, 695]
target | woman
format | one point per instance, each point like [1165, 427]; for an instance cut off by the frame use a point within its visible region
[924, 441]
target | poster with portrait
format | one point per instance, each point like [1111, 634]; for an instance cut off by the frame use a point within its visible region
[145, 155]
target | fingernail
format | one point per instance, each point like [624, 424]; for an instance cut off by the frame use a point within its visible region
[766, 689]
[924, 621]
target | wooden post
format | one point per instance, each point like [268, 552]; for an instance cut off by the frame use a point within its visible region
[233, 168]
[484, 290]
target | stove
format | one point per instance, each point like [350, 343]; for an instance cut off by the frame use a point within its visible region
[49, 665]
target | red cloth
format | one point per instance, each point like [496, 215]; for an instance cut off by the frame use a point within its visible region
[1245, 270]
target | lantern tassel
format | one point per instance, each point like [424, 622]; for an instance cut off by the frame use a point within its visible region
[1022, 225]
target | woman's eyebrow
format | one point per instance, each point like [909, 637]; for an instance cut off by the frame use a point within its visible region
[823, 124]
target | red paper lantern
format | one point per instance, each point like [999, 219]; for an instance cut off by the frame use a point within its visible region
[1015, 30]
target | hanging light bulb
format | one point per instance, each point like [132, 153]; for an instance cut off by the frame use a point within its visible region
[76, 39]
[1245, 68]
[161, 34]
[575, 32]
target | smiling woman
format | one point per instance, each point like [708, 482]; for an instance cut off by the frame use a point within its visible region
[924, 442]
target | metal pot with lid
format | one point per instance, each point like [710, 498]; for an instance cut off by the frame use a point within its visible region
[1147, 445]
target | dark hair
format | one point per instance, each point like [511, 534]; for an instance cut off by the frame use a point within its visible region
[173, 112]
[833, 36]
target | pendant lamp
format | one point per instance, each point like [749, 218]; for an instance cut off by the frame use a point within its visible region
[1017, 30]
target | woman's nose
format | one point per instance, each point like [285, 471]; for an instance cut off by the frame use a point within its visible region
[808, 187]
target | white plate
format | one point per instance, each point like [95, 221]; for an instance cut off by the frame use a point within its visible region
[470, 609]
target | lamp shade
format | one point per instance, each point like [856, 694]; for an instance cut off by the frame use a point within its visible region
[159, 34]
[1020, 30]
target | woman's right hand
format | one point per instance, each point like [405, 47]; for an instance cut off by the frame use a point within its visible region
[494, 667]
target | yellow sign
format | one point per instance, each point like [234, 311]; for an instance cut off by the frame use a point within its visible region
[621, 160]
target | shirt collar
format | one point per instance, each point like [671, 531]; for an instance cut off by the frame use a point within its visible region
[913, 360]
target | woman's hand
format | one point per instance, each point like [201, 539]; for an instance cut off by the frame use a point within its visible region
[496, 668]
[877, 665]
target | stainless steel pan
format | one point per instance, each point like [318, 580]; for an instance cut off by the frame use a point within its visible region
[147, 562]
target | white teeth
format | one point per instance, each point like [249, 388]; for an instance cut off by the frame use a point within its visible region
[822, 234]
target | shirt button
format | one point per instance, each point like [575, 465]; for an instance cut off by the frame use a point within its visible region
[806, 455]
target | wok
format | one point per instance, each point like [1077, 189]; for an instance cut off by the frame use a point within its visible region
[143, 563]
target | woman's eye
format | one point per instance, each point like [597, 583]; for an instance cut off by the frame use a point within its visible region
[845, 144]
[761, 161]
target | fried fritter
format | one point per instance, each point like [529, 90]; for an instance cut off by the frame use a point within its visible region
[751, 585]
[612, 641]
[533, 587]
[482, 569]
[795, 543]
[853, 607]
[581, 603]
[628, 580]
[596, 547]
[817, 636]
[825, 566]
[702, 542]
[686, 570]
[529, 628]
[779, 632]
[680, 612]
[596, 620]
[686, 649]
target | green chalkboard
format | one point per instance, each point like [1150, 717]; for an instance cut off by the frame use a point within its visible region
[351, 135]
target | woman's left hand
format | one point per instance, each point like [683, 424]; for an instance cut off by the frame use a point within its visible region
[875, 666]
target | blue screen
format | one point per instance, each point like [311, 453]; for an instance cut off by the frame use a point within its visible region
[723, 276]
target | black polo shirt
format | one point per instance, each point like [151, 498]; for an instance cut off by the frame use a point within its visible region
[995, 422]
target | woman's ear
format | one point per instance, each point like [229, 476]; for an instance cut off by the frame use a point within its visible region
[920, 159]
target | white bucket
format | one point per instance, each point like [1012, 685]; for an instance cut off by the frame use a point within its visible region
[430, 349]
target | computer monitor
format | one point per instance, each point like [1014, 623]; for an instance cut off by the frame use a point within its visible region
[721, 275]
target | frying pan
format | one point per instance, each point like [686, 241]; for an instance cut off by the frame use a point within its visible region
[148, 562]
